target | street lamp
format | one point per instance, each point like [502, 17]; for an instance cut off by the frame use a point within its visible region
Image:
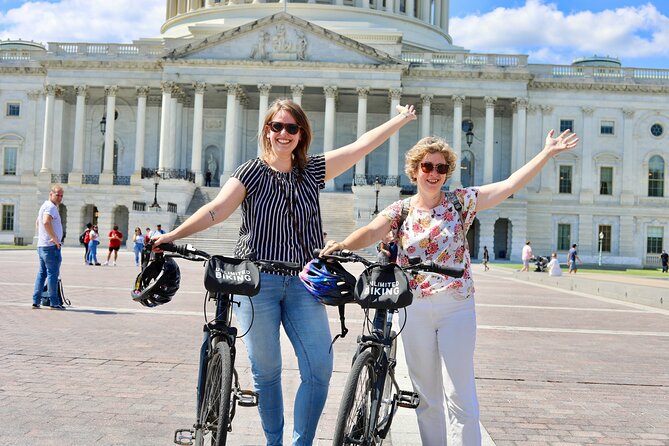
[103, 125]
[377, 189]
[601, 241]
[156, 181]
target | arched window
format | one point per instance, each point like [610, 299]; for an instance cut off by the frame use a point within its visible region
[467, 168]
[656, 176]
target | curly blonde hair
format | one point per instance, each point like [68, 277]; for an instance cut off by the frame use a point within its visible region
[430, 144]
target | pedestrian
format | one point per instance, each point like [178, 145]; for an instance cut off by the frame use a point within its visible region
[93, 243]
[526, 256]
[115, 237]
[281, 221]
[207, 179]
[486, 258]
[383, 249]
[664, 258]
[147, 235]
[137, 244]
[554, 266]
[439, 327]
[49, 241]
[159, 231]
[83, 239]
[572, 257]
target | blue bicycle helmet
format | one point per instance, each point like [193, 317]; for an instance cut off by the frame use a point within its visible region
[328, 282]
[157, 283]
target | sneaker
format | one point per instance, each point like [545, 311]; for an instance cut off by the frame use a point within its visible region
[105, 264]
[113, 263]
[57, 307]
[97, 264]
[36, 306]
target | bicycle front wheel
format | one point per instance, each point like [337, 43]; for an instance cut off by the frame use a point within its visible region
[215, 408]
[354, 421]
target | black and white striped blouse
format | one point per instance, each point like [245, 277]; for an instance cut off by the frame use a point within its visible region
[281, 215]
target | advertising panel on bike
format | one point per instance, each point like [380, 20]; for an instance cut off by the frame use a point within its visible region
[383, 287]
[233, 276]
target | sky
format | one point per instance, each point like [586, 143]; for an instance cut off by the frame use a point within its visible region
[553, 32]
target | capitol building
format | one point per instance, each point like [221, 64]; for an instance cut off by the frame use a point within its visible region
[131, 129]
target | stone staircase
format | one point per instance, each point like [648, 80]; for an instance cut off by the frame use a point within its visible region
[336, 212]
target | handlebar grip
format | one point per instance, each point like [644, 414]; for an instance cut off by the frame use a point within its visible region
[169, 247]
[445, 270]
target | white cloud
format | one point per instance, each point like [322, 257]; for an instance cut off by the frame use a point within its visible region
[84, 20]
[548, 35]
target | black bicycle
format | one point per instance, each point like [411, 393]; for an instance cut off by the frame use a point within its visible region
[371, 394]
[218, 390]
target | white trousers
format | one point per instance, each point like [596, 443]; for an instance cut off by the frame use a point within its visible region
[441, 331]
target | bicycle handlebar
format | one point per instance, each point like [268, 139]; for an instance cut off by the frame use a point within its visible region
[415, 264]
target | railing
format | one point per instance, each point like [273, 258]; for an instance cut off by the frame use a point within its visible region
[139, 206]
[369, 180]
[653, 260]
[172, 207]
[90, 179]
[167, 174]
[105, 49]
[60, 178]
[464, 60]
[599, 74]
[121, 180]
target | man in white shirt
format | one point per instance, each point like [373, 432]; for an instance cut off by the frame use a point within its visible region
[49, 238]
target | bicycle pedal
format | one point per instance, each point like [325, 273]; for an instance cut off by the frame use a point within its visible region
[184, 436]
[247, 398]
[409, 400]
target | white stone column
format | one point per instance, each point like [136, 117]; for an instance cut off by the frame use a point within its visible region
[424, 6]
[363, 3]
[230, 127]
[410, 7]
[329, 125]
[456, 179]
[394, 140]
[198, 121]
[519, 140]
[443, 22]
[170, 155]
[178, 141]
[437, 13]
[140, 132]
[363, 92]
[107, 176]
[30, 147]
[50, 93]
[546, 176]
[79, 135]
[426, 100]
[164, 124]
[586, 143]
[263, 105]
[297, 90]
[390, 6]
[488, 157]
[57, 146]
[242, 104]
[630, 181]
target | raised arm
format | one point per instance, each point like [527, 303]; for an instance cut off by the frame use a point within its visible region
[490, 195]
[220, 208]
[339, 160]
[362, 237]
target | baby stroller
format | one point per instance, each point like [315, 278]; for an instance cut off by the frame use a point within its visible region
[541, 264]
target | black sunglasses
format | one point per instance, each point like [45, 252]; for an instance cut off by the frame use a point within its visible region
[428, 167]
[276, 127]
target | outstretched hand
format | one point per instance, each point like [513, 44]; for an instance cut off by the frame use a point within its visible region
[567, 140]
[408, 111]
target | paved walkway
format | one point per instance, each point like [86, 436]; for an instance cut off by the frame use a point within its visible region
[553, 366]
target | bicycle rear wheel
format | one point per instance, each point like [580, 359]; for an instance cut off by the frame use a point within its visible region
[215, 408]
[354, 421]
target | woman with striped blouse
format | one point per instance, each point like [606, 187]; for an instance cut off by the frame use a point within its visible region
[281, 220]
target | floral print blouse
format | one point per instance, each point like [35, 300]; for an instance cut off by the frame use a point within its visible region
[436, 234]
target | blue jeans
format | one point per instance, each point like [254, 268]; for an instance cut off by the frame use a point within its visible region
[138, 250]
[49, 269]
[93, 251]
[284, 301]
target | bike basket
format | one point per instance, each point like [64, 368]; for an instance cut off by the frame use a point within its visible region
[384, 287]
[232, 276]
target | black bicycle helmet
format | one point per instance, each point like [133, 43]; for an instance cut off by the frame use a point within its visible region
[328, 282]
[157, 282]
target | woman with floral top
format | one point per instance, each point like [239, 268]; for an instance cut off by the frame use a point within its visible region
[441, 323]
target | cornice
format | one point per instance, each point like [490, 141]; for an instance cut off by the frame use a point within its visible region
[103, 64]
[595, 86]
[32, 71]
[290, 64]
[436, 73]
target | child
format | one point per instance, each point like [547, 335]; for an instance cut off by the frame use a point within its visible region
[554, 266]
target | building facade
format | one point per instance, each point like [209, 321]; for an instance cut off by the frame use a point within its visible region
[190, 102]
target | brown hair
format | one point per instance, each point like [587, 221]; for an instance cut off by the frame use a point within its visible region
[430, 144]
[300, 152]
